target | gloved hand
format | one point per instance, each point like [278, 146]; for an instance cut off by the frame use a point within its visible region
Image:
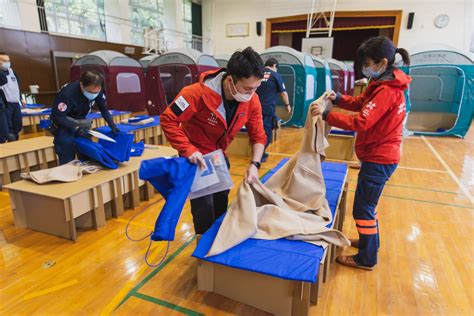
[115, 130]
[82, 132]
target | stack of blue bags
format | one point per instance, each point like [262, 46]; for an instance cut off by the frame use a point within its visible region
[107, 153]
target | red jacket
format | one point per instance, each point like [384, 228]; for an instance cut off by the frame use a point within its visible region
[195, 121]
[379, 118]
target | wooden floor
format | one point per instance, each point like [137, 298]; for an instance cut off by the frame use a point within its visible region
[425, 262]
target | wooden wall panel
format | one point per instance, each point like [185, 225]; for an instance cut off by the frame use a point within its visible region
[30, 53]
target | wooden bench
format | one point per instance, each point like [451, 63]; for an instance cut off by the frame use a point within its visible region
[58, 208]
[151, 133]
[25, 156]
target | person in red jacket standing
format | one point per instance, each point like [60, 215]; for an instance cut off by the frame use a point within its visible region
[206, 116]
[378, 121]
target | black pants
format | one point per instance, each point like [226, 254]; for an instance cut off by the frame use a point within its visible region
[207, 209]
[268, 124]
[14, 120]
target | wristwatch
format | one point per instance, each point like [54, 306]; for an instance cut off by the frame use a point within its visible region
[256, 164]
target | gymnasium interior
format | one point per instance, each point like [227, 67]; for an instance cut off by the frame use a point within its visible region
[117, 228]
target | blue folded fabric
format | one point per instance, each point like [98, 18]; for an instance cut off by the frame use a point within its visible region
[94, 151]
[172, 177]
[45, 124]
[137, 149]
[121, 150]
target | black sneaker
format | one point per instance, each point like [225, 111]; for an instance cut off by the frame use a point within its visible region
[264, 157]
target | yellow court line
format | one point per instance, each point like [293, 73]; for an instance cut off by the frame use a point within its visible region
[279, 154]
[446, 166]
[422, 169]
[50, 290]
[134, 223]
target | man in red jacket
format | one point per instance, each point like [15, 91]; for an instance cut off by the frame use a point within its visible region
[207, 115]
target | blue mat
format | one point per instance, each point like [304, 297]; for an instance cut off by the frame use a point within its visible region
[341, 132]
[96, 115]
[282, 258]
[129, 128]
[44, 112]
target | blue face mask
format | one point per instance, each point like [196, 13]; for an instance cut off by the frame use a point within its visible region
[6, 65]
[89, 95]
[370, 73]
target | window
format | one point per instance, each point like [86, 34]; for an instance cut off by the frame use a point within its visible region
[188, 23]
[84, 18]
[10, 14]
[145, 14]
[128, 82]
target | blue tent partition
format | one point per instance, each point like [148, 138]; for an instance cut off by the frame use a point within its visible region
[441, 96]
[299, 74]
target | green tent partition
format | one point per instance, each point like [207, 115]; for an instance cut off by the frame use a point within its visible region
[299, 74]
[441, 96]
[323, 78]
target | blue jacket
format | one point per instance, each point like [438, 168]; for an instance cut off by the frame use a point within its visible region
[172, 177]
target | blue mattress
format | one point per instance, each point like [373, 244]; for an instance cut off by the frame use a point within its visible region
[96, 115]
[282, 258]
[129, 128]
[44, 112]
[341, 132]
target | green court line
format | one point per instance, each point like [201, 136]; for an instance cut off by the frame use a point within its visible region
[154, 272]
[167, 304]
[424, 201]
[415, 188]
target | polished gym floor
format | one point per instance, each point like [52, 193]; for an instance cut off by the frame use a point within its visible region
[425, 262]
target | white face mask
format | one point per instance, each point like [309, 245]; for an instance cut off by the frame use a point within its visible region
[238, 96]
[6, 65]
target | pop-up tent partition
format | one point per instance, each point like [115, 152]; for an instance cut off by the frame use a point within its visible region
[339, 75]
[299, 74]
[124, 78]
[168, 73]
[440, 100]
[323, 79]
[222, 60]
[351, 78]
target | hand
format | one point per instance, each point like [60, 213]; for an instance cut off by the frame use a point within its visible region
[288, 108]
[115, 130]
[252, 174]
[23, 103]
[82, 132]
[316, 109]
[197, 158]
[331, 95]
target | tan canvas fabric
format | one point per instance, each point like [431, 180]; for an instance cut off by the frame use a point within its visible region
[291, 204]
[139, 123]
[69, 172]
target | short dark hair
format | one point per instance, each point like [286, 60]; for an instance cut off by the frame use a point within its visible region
[92, 78]
[271, 62]
[378, 48]
[3, 53]
[245, 64]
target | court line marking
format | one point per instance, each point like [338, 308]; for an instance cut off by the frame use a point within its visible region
[414, 188]
[423, 201]
[154, 272]
[169, 305]
[448, 169]
[50, 290]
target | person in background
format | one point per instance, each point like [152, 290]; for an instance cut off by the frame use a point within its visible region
[10, 93]
[378, 121]
[207, 115]
[72, 104]
[272, 86]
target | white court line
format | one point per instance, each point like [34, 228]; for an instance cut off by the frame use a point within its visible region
[353, 162]
[451, 173]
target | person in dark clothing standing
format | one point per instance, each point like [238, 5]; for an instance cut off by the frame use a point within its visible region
[11, 97]
[272, 85]
[72, 104]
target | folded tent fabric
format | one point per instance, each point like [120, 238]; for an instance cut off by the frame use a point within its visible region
[95, 151]
[121, 150]
[291, 204]
[172, 177]
[137, 149]
[138, 121]
[69, 172]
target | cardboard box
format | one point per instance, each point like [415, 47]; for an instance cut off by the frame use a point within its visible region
[341, 147]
